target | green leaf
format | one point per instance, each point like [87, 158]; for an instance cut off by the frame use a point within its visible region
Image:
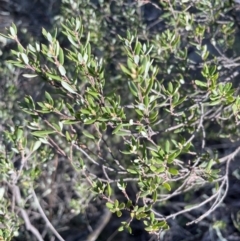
[141, 106]
[122, 206]
[5, 36]
[2, 191]
[44, 32]
[155, 154]
[57, 127]
[167, 186]
[68, 87]
[20, 49]
[123, 133]
[173, 171]
[89, 121]
[53, 76]
[149, 87]
[109, 205]
[170, 87]
[121, 228]
[42, 133]
[49, 37]
[167, 146]
[136, 59]
[62, 70]
[37, 144]
[152, 217]
[19, 134]
[93, 93]
[209, 165]
[49, 98]
[121, 185]
[55, 33]
[12, 31]
[117, 128]
[116, 203]
[25, 58]
[125, 70]
[145, 193]
[137, 48]
[129, 204]
[133, 88]
[30, 75]
[153, 168]
[60, 125]
[119, 213]
[129, 229]
[70, 38]
[68, 137]
[37, 47]
[200, 83]
[109, 189]
[139, 112]
[85, 111]
[216, 102]
[87, 134]
[78, 24]
[61, 56]
[132, 171]
[160, 169]
[69, 122]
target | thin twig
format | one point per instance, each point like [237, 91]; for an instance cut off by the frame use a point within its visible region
[101, 225]
[45, 217]
[28, 225]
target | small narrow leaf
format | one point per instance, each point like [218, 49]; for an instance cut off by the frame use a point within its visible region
[87, 134]
[121, 228]
[167, 146]
[117, 128]
[160, 169]
[149, 87]
[153, 168]
[125, 70]
[62, 70]
[132, 171]
[119, 214]
[133, 88]
[123, 133]
[109, 189]
[49, 98]
[173, 171]
[2, 191]
[25, 58]
[42, 133]
[12, 31]
[52, 76]
[136, 59]
[109, 205]
[30, 75]
[167, 186]
[68, 137]
[37, 144]
[200, 83]
[68, 87]
[61, 56]
[5, 36]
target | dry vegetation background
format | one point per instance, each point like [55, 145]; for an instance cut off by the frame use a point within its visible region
[222, 225]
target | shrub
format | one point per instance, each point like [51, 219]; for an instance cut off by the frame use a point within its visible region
[133, 116]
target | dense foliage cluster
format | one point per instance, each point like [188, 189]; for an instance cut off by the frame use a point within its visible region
[134, 105]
